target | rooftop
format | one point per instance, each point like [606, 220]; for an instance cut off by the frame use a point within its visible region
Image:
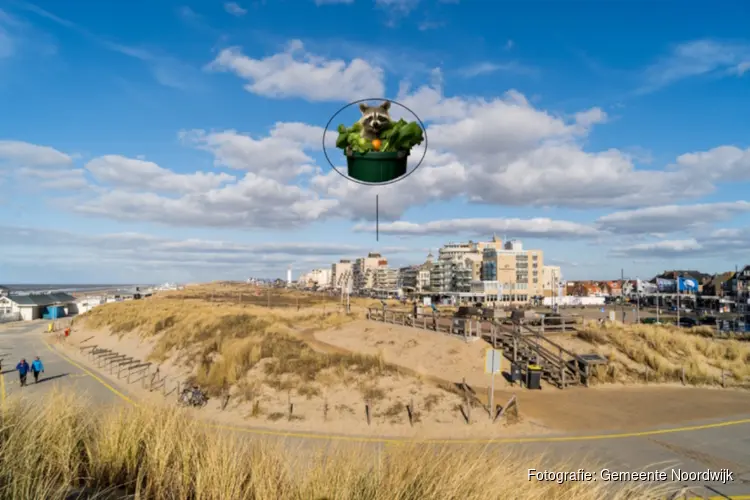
[42, 299]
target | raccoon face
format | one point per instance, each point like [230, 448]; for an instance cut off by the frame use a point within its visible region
[375, 118]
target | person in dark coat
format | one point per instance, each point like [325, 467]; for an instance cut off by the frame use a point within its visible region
[23, 370]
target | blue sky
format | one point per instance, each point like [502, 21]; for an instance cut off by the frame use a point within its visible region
[151, 141]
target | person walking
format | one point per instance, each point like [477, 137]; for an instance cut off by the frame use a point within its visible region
[23, 370]
[36, 368]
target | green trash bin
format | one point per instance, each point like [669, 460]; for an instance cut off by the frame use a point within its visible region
[533, 377]
[376, 167]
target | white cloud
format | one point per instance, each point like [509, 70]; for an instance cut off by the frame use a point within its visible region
[24, 154]
[523, 228]
[253, 201]
[661, 249]
[234, 9]
[55, 179]
[296, 73]
[333, 2]
[724, 243]
[148, 257]
[502, 151]
[138, 174]
[671, 218]
[724, 163]
[696, 58]
[281, 155]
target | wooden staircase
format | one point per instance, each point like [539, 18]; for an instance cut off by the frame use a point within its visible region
[560, 367]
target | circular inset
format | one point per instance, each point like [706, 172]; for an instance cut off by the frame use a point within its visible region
[376, 147]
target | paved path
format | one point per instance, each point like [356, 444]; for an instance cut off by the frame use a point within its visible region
[25, 340]
[703, 445]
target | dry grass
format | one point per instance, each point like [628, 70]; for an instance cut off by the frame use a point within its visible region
[62, 447]
[663, 351]
[224, 342]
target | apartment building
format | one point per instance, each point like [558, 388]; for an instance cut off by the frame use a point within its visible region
[517, 272]
[340, 273]
[317, 277]
[385, 279]
[363, 270]
[453, 251]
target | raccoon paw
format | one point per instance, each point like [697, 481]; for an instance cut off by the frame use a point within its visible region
[348, 151]
[401, 154]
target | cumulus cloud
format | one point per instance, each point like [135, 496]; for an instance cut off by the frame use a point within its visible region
[724, 163]
[253, 201]
[493, 151]
[132, 173]
[297, 73]
[671, 218]
[531, 228]
[24, 154]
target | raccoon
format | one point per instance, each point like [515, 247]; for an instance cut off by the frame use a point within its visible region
[374, 119]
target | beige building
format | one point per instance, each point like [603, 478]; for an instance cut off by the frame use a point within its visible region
[363, 270]
[551, 279]
[515, 273]
[340, 272]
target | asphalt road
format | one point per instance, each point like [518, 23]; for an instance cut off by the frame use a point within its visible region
[700, 446]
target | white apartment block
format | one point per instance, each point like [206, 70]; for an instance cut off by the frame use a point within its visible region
[363, 270]
[316, 277]
[341, 273]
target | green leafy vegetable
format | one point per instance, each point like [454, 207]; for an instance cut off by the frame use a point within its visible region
[398, 136]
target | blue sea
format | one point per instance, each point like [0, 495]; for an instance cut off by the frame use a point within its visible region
[68, 288]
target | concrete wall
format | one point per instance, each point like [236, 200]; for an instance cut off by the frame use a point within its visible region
[29, 313]
[568, 300]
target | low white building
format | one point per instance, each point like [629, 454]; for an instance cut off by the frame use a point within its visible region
[37, 305]
[86, 304]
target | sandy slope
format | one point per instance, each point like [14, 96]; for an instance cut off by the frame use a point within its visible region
[439, 416]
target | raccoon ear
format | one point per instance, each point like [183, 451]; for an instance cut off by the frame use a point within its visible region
[363, 107]
[386, 105]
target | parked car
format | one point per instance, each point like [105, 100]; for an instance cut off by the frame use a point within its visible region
[687, 322]
[708, 320]
[650, 321]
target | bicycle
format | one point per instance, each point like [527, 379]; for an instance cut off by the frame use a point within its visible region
[192, 397]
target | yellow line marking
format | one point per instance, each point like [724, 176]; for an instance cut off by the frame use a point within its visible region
[92, 375]
[2, 390]
[397, 441]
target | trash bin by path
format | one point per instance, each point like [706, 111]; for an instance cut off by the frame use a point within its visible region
[533, 377]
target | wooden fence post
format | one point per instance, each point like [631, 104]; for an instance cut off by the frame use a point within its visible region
[325, 410]
[466, 401]
[410, 412]
[291, 405]
[683, 375]
[723, 379]
[367, 410]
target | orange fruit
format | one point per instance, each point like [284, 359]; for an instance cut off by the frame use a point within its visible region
[376, 144]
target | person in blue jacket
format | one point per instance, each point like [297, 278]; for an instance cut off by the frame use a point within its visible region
[23, 370]
[36, 368]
